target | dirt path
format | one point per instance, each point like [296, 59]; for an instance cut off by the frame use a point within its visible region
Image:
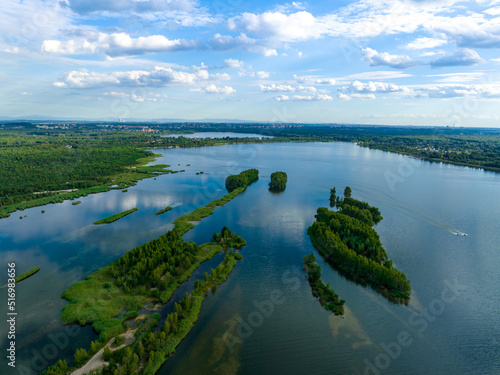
[97, 361]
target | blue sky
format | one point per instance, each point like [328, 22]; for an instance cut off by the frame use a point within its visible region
[396, 62]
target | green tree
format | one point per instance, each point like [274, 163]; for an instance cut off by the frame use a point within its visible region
[347, 192]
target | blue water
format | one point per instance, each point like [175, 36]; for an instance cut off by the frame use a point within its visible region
[423, 204]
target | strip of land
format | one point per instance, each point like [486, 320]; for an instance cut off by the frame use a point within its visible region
[113, 218]
[150, 273]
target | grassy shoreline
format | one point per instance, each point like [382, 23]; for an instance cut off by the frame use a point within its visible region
[123, 180]
[162, 211]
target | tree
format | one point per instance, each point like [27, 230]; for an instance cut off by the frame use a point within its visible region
[106, 355]
[347, 192]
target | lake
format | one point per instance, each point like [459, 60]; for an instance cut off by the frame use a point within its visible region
[218, 135]
[264, 319]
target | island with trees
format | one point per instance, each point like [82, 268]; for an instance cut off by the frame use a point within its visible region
[113, 218]
[278, 181]
[243, 179]
[110, 298]
[327, 297]
[346, 239]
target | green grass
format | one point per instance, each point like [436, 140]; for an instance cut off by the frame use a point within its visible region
[113, 218]
[162, 211]
[76, 203]
[25, 275]
[183, 223]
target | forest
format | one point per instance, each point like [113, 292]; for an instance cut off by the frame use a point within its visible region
[41, 166]
[347, 240]
[278, 181]
[243, 179]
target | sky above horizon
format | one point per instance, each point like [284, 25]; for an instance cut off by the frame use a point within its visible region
[394, 62]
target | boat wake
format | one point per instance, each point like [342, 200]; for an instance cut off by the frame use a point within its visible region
[409, 209]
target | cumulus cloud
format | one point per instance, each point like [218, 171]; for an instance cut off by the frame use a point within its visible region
[394, 61]
[355, 96]
[462, 57]
[158, 76]
[282, 98]
[226, 43]
[233, 63]
[117, 44]
[284, 27]
[477, 91]
[302, 98]
[263, 75]
[212, 89]
[136, 97]
[287, 88]
[374, 87]
[424, 43]
[317, 97]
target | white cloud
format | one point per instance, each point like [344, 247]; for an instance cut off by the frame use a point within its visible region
[144, 96]
[287, 88]
[284, 27]
[13, 50]
[424, 43]
[117, 44]
[374, 87]
[356, 96]
[343, 96]
[384, 58]
[262, 75]
[282, 98]
[158, 76]
[25, 93]
[212, 89]
[233, 63]
[462, 57]
[317, 97]
[228, 43]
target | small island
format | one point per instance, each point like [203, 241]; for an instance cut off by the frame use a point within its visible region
[113, 218]
[162, 211]
[76, 203]
[241, 180]
[25, 275]
[228, 239]
[327, 297]
[346, 239]
[278, 182]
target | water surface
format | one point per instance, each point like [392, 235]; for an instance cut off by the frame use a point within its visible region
[422, 203]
